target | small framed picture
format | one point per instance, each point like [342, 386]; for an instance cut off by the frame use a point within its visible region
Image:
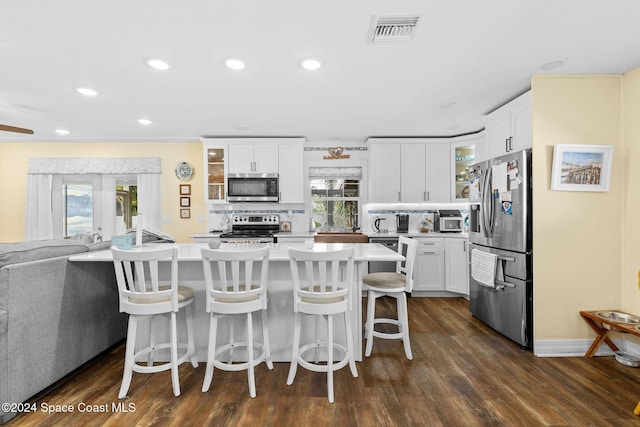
[185, 202]
[185, 213]
[185, 190]
[581, 167]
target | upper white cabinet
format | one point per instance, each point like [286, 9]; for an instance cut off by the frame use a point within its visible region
[291, 171]
[463, 155]
[259, 157]
[216, 168]
[409, 172]
[509, 128]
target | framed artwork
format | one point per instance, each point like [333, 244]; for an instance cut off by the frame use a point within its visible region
[581, 167]
[185, 202]
[185, 189]
[185, 213]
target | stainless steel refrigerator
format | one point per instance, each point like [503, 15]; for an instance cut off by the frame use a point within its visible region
[500, 229]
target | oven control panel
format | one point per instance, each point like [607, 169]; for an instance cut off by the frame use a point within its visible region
[271, 219]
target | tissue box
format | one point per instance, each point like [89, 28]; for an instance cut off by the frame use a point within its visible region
[122, 241]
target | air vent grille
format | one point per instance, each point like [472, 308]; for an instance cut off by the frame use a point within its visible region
[393, 29]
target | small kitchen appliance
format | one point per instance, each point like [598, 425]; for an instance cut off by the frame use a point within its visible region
[402, 223]
[449, 221]
[252, 187]
[380, 225]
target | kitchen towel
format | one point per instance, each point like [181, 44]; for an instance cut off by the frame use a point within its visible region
[483, 267]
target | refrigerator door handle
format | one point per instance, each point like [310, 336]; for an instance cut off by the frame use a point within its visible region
[487, 201]
[501, 284]
[506, 258]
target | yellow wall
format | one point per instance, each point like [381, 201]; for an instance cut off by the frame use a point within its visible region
[577, 235]
[13, 176]
[631, 207]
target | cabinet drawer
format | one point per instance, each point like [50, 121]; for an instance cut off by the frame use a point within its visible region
[430, 245]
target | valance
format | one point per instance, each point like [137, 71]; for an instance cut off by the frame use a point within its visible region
[336, 172]
[92, 165]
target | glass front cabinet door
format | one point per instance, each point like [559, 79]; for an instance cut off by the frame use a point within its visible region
[216, 163]
[463, 156]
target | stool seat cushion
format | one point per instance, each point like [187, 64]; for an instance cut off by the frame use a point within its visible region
[384, 280]
[320, 300]
[237, 298]
[185, 293]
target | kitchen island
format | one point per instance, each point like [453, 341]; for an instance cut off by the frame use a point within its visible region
[280, 291]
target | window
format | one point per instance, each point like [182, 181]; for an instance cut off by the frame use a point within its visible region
[126, 205]
[77, 209]
[336, 203]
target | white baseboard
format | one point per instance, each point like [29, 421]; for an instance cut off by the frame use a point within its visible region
[573, 348]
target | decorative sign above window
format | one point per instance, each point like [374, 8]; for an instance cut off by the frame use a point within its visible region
[336, 153]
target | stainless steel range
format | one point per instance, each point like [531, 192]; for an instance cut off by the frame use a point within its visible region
[252, 228]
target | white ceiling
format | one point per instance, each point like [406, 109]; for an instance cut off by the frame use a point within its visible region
[476, 54]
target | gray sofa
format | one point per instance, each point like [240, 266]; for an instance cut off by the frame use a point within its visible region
[55, 315]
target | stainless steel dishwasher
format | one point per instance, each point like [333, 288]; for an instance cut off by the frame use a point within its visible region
[392, 243]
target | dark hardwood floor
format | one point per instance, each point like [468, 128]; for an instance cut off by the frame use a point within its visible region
[463, 374]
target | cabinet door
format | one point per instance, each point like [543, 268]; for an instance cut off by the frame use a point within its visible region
[215, 178]
[429, 266]
[384, 176]
[463, 156]
[265, 158]
[498, 134]
[291, 179]
[240, 158]
[521, 127]
[457, 266]
[413, 173]
[438, 176]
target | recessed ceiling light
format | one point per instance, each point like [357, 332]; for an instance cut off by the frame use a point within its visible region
[145, 122]
[311, 64]
[158, 64]
[243, 127]
[552, 63]
[235, 63]
[449, 106]
[62, 132]
[86, 91]
[453, 127]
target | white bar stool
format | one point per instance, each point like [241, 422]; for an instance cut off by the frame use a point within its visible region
[319, 290]
[143, 298]
[236, 293]
[392, 284]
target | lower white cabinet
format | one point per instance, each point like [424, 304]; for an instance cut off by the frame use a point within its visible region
[429, 273]
[457, 266]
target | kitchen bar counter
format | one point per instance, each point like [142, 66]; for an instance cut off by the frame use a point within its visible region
[280, 307]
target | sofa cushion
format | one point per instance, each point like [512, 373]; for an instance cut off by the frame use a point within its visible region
[14, 253]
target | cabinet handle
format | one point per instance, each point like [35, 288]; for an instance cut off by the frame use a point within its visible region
[428, 195]
[506, 145]
[424, 196]
[399, 198]
[464, 246]
[511, 143]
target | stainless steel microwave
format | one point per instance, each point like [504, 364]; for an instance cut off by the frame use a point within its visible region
[252, 187]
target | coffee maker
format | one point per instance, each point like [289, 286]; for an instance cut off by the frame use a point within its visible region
[402, 223]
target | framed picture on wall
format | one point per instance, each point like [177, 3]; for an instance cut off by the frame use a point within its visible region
[185, 213]
[185, 202]
[185, 189]
[581, 167]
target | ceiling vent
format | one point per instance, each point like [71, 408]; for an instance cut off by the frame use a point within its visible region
[392, 29]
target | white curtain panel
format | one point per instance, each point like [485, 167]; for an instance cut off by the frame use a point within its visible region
[39, 221]
[150, 200]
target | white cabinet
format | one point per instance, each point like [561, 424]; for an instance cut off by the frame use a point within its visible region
[215, 171]
[429, 271]
[509, 128]
[260, 157]
[463, 151]
[415, 172]
[384, 176]
[457, 265]
[291, 171]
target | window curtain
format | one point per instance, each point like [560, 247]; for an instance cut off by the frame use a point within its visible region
[335, 173]
[39, 211]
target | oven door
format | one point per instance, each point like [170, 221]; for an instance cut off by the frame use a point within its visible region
[252, 188]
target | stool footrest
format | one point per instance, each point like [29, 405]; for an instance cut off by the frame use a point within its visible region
[164, 366]
[315, 367]
[260, 356]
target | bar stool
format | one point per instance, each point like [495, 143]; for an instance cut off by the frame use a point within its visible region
[392, 284]
[143, 298]
[318, 290]
[236, 293]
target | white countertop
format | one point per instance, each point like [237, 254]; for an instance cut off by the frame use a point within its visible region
[310, 234]
[278, 251]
